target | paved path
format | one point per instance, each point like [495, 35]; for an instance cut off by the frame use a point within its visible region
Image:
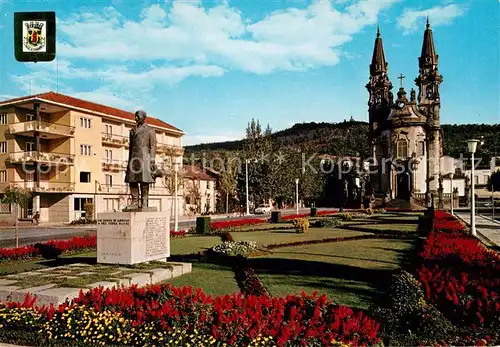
[34, 234]
[488, 230]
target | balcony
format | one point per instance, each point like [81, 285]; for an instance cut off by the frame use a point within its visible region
[46, 186]
[114, 140]
[46, 129]
[111, 165]
[114, 189]
[52, 158]
[170, 150]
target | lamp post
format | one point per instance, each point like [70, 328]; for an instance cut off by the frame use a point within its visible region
[246, 186]
[493, 167]
[472, 145]
[451, 190]
[176, 212]
[96, 183]
[296, 196]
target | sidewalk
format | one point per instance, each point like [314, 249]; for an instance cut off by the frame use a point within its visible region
[487, 230]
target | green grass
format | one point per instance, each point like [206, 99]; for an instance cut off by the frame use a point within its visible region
[388, 227]
[213, 279]
[351, 273]
[263, 238]
[192, 244]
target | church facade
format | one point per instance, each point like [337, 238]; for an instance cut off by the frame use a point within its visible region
[405, 135]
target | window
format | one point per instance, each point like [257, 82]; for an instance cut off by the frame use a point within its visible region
[476, 179]
[402, 149]
[421, 148]
[112, 204]
[30, 146]
[108, 155]
[109, 129]
[3, 176]
[85, 150]
[84, 177]
[3, 147]
[109, 180]
[85, 122]
[79, 206]
[29, 117]
[3, 118]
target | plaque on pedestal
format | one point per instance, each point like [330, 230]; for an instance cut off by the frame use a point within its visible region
[132, 237]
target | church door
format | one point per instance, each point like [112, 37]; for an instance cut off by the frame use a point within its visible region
[403, 180]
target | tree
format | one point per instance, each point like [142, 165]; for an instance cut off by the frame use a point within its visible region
[494, 180]
[228, 181]
[19, 197]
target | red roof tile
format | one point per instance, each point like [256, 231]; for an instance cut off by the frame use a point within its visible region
[195, 172]
[91, 106]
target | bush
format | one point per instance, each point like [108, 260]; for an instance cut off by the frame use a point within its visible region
[89, 211]
[328, 223]
[369, 211]
[226, 236]
[275, 216]
[380, 210]
[345, 216]
[301, 225]
[235, 248]
[202, 225]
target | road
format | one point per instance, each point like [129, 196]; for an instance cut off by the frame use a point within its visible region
[33, 235]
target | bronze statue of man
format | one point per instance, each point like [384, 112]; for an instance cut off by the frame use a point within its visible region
[141, 166]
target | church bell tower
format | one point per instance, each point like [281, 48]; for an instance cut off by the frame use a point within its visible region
[429, 104]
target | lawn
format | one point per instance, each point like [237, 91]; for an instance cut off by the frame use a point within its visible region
[263, 238]
[192, 244]
[212, 278]
[351, 272]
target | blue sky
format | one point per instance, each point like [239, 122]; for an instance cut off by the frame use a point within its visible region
[208, 67]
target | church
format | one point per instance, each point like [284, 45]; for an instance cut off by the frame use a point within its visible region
[405, 136]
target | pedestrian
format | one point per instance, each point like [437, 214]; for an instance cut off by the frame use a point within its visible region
[36, 217]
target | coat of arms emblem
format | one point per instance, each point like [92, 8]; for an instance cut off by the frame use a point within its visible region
[34, 36]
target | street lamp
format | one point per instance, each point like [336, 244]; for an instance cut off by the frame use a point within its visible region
[472, 145]
[96, 184]
[176, 212]
[297, 196]
[246, 182]
[451, 188]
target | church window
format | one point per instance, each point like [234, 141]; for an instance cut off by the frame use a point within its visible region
[421, 148]
[402, 149]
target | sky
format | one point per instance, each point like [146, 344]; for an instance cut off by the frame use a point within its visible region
[209, 67]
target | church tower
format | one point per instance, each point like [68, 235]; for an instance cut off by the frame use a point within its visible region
[429, 104]
[379, 107]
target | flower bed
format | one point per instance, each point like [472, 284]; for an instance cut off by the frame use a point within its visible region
[235, 247]
[175, 234]
[146, 316]
[233, 224]
[459, 275]
[295, 216]
[76, 243]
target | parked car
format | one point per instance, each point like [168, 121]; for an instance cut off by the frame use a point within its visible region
[263, 209]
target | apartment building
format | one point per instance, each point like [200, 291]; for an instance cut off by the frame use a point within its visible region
[69, 152]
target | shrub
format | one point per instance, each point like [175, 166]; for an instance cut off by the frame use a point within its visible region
[301, 225]
[89, 211]
[275, 216]
[380, 210]
[369, 211]
[328, 223]
[202, 225]
[226, 236]
[345, 216]
[235, 247]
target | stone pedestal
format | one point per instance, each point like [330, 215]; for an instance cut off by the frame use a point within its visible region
[132, 237]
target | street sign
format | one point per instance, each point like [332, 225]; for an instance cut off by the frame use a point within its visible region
[34, 36]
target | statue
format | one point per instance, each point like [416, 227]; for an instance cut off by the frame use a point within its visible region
[412, 95]
[141, 167]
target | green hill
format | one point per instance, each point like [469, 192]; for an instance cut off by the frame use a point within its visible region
[349, 138]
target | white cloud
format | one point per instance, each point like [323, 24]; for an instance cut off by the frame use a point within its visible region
[171, 42]
[410, 20]
[188, 33]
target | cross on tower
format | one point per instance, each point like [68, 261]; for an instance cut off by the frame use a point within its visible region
[401, 78]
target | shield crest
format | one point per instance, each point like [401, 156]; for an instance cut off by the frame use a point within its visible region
[34, 37]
